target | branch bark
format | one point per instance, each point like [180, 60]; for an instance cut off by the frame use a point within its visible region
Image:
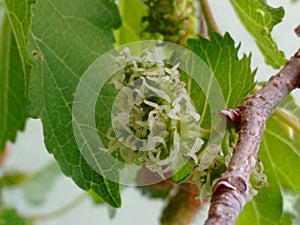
[231, 192]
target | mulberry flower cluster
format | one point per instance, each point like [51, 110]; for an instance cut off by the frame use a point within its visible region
[154, 121]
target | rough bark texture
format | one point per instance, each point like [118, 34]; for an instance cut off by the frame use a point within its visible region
[230, 193]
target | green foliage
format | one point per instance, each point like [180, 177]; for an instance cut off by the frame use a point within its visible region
[104, 105]
[96, 198]
[65, 37]
[184, 172]
[234, 75]
[11, 217]
[259, 19]
[83, 35]
[282, 154]
[131, 29]
[15, 66]
[2, 11]
[281, 149]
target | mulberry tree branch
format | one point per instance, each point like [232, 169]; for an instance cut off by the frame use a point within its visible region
[231, 192]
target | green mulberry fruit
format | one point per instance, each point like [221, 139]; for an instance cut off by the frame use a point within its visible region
[175, 20]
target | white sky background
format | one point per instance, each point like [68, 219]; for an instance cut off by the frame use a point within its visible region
[29, 153]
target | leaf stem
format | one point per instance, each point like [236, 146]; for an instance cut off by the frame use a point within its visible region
[288, 119]
[203, 27]
[211, 25]
[61, 211]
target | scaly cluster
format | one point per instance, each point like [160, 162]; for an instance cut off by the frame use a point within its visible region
[175, 20]
[154, 121]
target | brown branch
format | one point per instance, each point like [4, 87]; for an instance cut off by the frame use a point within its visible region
[231, 192]
[297, 30]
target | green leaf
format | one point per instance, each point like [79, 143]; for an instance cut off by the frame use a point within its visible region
[64, 47]
[104, 105]
[234, 75]
[283, 152]
[97, 200]
[291, 203]
[10, 216]
[15, 66]
[283, 148]
[253, 213]
[259, 19]
[41, 183]
[184, 172]
[131, 28]
[2, 11]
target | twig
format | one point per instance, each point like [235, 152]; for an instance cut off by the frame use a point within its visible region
[209, 19]
[231, 192]
[203, 27]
